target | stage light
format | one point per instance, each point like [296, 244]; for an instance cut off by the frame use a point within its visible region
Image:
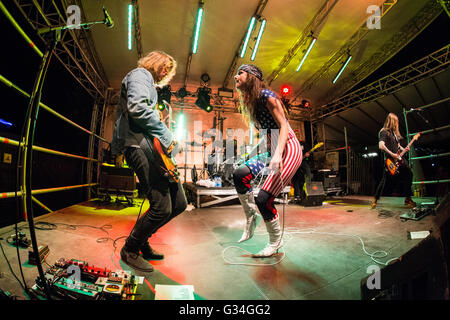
[247, 37]
[285, 90]
[370, 155]
[305, 104]
[203, 98]
[6, 123]
[342, 68]
[197, 29]
[311, 45]
[258, 39]
[205, 77]
[161, 107]
[180, 127]
[130, 26]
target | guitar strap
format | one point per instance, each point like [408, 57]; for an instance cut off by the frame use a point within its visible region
[396, 139]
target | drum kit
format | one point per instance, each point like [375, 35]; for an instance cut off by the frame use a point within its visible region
[215, 167]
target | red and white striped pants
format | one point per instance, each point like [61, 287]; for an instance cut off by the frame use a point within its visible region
[291, 159]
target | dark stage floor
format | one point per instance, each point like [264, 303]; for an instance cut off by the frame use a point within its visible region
[323, 256]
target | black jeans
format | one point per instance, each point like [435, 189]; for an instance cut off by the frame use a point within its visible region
[404, 178]
[302, 175]
[167, 200]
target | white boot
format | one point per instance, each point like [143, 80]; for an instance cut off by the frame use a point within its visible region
[275, 239]
[253, 218]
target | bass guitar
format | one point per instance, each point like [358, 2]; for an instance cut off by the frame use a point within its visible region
[393, 164]
[166, 160]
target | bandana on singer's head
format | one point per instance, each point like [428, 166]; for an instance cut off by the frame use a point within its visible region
[252, 69]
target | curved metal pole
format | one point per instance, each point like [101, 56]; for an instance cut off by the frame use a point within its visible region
[33, 110]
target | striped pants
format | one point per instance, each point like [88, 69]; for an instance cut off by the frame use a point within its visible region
[275, 181]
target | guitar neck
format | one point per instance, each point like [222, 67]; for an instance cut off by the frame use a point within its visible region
[404, 150]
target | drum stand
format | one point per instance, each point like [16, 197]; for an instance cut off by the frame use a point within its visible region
[204, 174]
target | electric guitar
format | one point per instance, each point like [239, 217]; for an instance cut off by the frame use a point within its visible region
[166, 160]
[393, 164]
[317, 146]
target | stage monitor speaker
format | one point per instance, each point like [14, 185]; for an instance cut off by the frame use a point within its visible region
[314, 194]
[422, 273]
[117, 178]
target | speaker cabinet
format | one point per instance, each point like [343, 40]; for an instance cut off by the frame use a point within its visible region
[116, 178]
[314, 194]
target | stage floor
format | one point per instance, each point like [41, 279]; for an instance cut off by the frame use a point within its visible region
[322, 259]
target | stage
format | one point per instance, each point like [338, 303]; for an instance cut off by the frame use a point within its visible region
[322, 257]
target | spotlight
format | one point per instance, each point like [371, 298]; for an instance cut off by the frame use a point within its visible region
[305, 104]
[6, 123]
[285, 90]
[205, 77]
[164, 93]
[203, 98]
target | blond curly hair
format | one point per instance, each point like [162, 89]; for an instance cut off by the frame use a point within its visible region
[154, 62]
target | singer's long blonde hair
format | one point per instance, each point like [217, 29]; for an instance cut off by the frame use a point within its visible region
[154, 62]
[391, 124]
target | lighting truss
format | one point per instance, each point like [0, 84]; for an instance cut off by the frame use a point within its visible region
[75, 50]
[426, 15]
[426, 67]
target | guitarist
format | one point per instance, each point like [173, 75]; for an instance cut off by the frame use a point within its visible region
[303, 173]
[137, 123]
[389, 143]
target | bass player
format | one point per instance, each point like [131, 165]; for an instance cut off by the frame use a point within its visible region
[389, 143]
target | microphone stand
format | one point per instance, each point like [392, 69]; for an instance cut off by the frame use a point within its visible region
[51, 35]
[436, 133]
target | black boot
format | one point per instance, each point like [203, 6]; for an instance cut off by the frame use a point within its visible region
[133, 259]
[149, 254]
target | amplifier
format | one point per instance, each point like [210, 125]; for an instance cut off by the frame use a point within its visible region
[314, 194]
[116, 178]
[331, 181]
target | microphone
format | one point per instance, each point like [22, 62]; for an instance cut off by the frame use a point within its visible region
[108, 21]
[416, 109]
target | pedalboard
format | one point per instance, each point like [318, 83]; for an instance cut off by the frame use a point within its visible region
[77, 280]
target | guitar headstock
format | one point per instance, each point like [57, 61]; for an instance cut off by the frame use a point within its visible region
[417, 136]
[316, 146]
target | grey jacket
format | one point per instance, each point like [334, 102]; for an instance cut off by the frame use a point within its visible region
[136, 113]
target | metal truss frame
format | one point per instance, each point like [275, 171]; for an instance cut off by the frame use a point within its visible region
[342, 53]
[258, 13]
[399, 40]
[75, 50]
[446, 5]
[313, 27]
[428, 66]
